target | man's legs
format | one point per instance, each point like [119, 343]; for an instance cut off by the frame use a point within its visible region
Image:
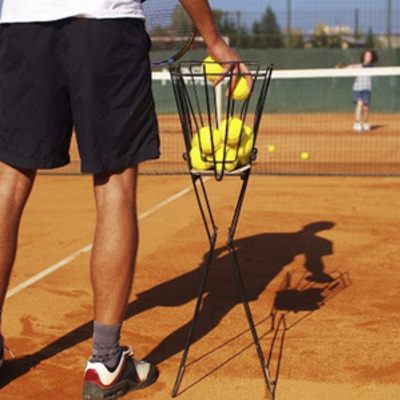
[115, 244]
[15, 188]
[112, 268]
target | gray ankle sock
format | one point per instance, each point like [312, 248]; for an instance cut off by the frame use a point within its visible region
[106, 348]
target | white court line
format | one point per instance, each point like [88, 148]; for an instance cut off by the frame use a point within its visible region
[88, 248]
[48, 271]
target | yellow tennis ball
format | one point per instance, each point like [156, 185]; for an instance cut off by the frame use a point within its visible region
[230, 158]
[232, 131]
[249, 131]
[212, 69]
[196, 160]
[241, 91]
[246, 145]
[271, 148]
[304, 155]
[206, 138]
[245, 148]
[195, 141]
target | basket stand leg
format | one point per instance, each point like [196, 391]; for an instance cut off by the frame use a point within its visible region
[239, 281]
[208, 220]
[212, 230]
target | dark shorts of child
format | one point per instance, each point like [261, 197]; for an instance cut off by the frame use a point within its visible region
[363, 95]
[93, 75]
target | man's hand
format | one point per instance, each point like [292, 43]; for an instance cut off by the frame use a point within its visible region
[200, 12]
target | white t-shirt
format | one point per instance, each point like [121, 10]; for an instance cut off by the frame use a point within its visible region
[52, 10]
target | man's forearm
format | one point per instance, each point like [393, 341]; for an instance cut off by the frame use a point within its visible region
[200, 12]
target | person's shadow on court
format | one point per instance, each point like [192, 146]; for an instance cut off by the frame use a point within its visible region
[261, 258]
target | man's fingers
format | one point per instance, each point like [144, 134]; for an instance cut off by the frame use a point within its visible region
[243, 69]
[234, 71]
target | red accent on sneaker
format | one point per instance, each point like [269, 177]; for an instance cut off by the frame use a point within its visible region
[92, 375]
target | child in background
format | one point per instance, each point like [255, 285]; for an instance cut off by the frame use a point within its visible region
[362, 91]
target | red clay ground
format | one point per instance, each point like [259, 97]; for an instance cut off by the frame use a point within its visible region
[337, 340]
[333, 147]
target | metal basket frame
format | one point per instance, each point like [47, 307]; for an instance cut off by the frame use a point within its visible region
[198, 107]
[190, 81]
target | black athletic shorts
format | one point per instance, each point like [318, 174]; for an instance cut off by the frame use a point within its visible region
[91, 74]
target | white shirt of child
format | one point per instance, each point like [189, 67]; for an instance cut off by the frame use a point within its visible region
[52, 10]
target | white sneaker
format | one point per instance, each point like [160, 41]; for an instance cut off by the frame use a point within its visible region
[366, 126]
[357, 127]
[101, 383]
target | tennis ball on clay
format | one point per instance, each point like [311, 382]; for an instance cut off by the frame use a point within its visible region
[271, 148]
[205, 138]
[232, 131]
[197, 161]
[305, 155]
[212, 69]
[241, 91]
[230, 158]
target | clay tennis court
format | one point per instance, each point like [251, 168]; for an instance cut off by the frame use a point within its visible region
[333, 147]
[328, 138]
[335, 340]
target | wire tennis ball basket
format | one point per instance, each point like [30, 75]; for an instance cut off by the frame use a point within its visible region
[220, 124]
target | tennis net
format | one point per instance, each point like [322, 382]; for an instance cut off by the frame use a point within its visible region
[307, 127]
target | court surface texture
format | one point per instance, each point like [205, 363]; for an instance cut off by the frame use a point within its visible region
[337, 339]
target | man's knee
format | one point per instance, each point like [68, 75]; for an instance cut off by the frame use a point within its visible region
[116, 186]
[16, 183]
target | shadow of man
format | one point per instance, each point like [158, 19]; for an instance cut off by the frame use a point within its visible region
[261, 259]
